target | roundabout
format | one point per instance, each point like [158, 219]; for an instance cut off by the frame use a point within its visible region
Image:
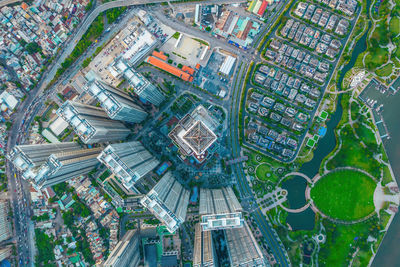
[344, 195]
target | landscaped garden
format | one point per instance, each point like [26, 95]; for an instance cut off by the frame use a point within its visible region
[344, 195]
[383, 43]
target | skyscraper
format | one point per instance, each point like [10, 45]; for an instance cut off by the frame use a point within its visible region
[141, 86]
[117, 103]
[127, 251]
[128, 161]
[92, 124]
[5, 225]
[168, 201]
[29, 158]
[64, 166]
[49, 164]
[219, 209]
[243, 248]
[203, 255]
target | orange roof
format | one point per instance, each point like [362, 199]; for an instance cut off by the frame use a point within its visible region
[24, 6]
[198, 66]
[188, 69]
[168, 68]
[160, 55]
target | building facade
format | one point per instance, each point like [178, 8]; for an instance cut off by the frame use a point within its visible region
[219, 209]
[127, 251]
[49, 164]
[128, 161]
[168, 201]
[115, 102]
[64, 166]
[29, 158]
[243, 248]
[141, 86]
[92, 124]
[5, 225]
[203, 255]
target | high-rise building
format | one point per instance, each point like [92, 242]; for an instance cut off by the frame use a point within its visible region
[92, 124]
[127, 251]
[203, 255]
[243, 248]
[64, 166]
[117, 103]
[5, 225]
[141, 86]
[194, 133]
[29, 158]
[219, 209]
[49, 164]
[128, 161]
[5, 252]
[168, 201]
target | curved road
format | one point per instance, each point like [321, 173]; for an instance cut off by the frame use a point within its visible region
[8, 2]
[247, 197]
[24, 116]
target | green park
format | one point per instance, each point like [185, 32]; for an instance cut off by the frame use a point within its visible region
[344, 195]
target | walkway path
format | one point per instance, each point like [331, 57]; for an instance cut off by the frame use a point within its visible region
[380, 198]
[309, 181]
[296, 210]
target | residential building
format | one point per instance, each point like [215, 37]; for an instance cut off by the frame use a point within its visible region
[128, 161]
[168, 201]
[127, 251]
[49, 164]
[29, 158]
[5, 252]
[141, 86]
[219, 209]
[115, 102]
[5, 225]
[243, 248]
[64, 166]
[92, 124]
[203, 255]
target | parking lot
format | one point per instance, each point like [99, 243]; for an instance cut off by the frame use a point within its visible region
[207, 78]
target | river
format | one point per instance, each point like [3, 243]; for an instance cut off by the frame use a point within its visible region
[306, 219]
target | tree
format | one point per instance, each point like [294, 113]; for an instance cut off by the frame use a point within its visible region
[33, 48]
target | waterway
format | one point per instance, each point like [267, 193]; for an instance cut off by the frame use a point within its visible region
[306, 219]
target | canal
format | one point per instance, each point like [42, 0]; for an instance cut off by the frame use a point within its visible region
[306, 219]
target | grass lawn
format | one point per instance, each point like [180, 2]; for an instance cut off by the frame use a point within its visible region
[345, 195]
[342, 240]
[385, 71]
[394, 25]
[366, 135]
[353, 154]
[262, 171]
[266, 165]
[376, 59]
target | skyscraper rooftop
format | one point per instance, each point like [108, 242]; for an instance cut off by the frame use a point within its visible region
[115, 102]
[128, 161]
[194, 133]
[219, 209]
[168, 201]
[243, 248]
